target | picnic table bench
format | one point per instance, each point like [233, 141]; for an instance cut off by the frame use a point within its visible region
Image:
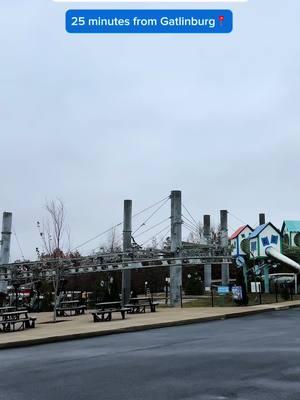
[108, 304]
[106, 309]
[106, 315]
[16, 321]
[139, 305]
[7, 309]
[68, 308]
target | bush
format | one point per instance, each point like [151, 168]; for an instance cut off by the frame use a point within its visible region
[194, 285]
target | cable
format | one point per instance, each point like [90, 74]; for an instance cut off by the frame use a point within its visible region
[18, 243]
[192, 223]
[152, 227]
[190, 228]
[233, 229]
[118, 239]
[165, 236]
[147, 219]
[189, 213]
[97, 236]
[166, 199]
[192, 231]
[120, 223]
[153, 205]
[237, 218]
[154, 236]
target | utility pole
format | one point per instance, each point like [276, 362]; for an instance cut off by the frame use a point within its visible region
[127, 228]
[207, 267]
[224, 245]
[176, 248]
[5, 244]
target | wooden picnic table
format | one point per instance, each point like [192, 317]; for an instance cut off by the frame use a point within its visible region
[139, 304]
[141, 298]
[69, 308]
[69, 302]
[14, 314]
[7, 309]
[108, 304]
[106, 314]
[107, 308]
[16, 320]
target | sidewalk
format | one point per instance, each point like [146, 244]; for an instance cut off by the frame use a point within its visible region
[82, 326]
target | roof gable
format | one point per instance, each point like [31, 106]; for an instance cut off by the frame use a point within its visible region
[260, 228]
[291, 226]
[239, 231]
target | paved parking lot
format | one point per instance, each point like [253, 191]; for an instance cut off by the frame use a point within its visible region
[83, 325]
[257, 357]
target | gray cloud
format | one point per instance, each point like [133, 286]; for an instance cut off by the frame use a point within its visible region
[96, 119]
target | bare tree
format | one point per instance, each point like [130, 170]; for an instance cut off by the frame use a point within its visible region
[56, 212]
[57, 276]
[215, 233]
[154, 243]
[113, 242]
[53, 233]
[197, 235]
[167, 243]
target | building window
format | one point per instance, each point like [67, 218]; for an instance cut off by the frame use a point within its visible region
[274, 239]
[253, 246]
[265, 241]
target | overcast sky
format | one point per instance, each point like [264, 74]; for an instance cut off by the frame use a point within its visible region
[97, 119]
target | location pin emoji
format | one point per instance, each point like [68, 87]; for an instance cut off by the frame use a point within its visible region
[221, 19]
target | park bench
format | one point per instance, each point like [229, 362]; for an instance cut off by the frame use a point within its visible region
[106, 315]
[139, 305]
[16, 321]
[68, 311]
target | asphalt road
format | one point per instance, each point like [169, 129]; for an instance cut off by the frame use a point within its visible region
[255, 357]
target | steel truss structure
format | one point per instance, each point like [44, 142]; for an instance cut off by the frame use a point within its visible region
[47, 268]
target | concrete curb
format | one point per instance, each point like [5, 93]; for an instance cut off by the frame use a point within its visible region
[138, 328]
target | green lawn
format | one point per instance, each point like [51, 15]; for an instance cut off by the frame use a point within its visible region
[226, 300]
